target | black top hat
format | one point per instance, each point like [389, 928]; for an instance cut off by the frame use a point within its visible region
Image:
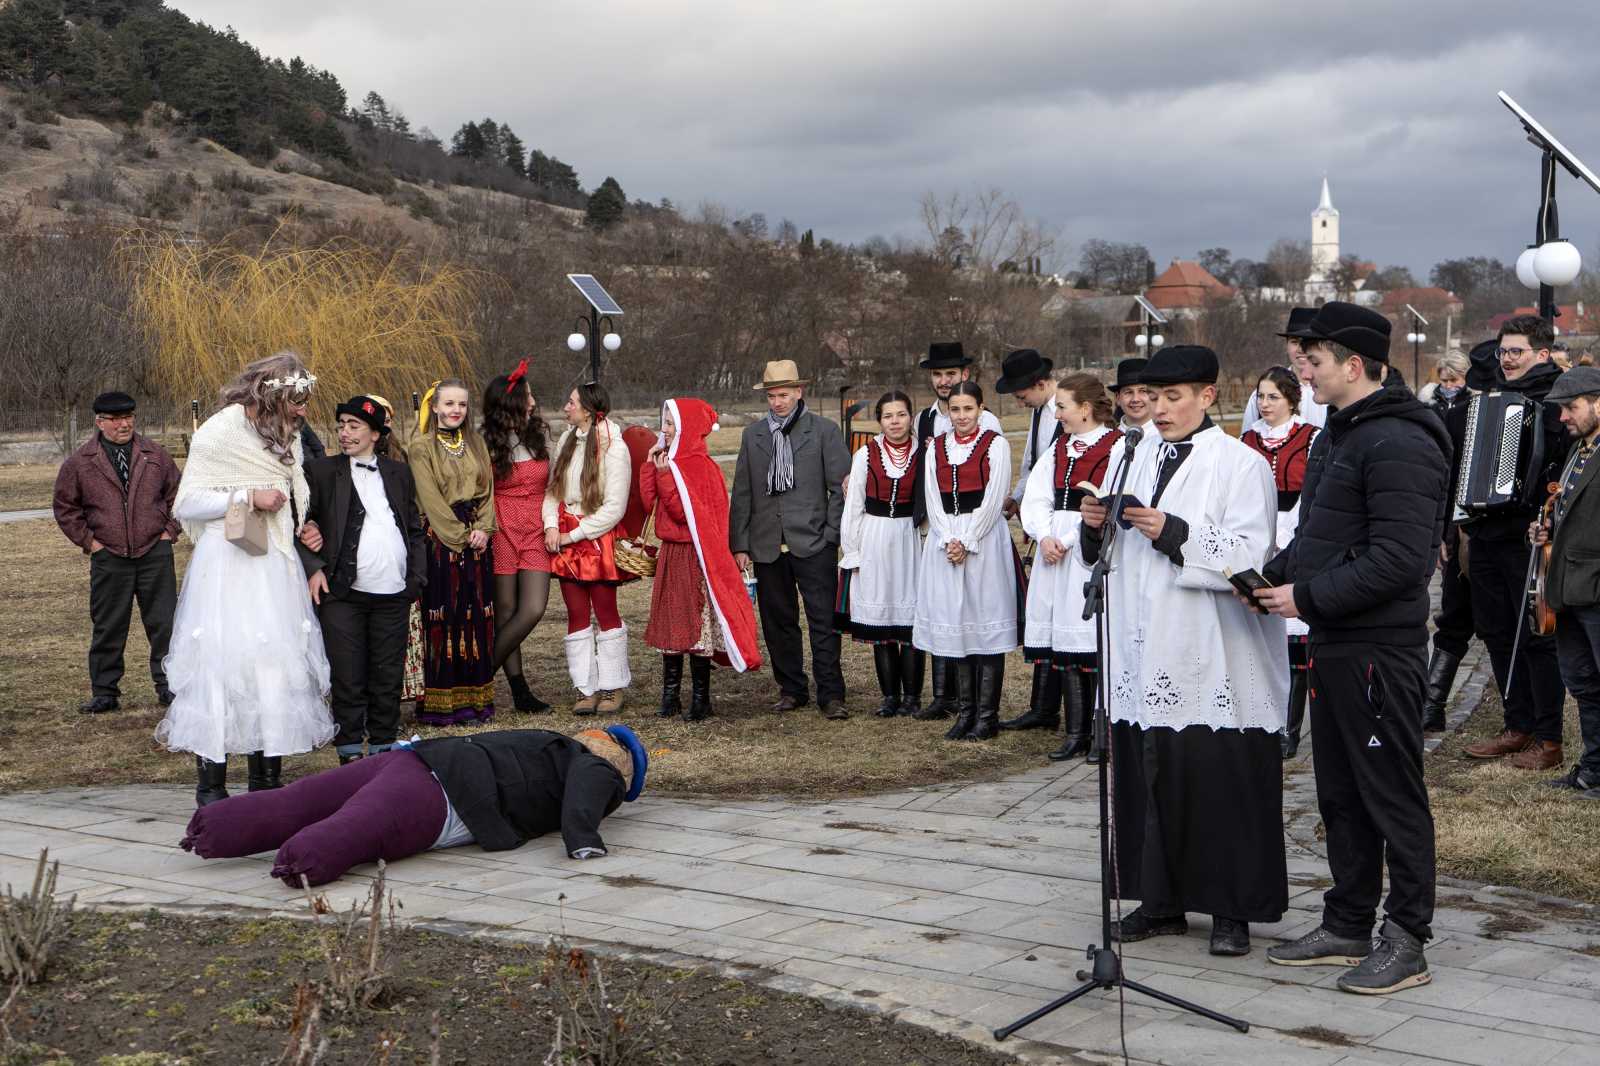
[945, 355]
[1181, 364]
[1299, 319]
[1360, 329]
[1128, 373]
[113, 403]
[1022, 368]
[365, 408]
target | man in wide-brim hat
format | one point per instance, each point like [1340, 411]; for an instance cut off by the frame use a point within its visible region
[783, 526]
[1295, 333]
[947, 364]
[1029, 377]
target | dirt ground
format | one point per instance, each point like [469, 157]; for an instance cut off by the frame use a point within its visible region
[149, 989]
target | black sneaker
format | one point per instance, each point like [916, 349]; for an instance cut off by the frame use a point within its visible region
[1229, 937]
[1141, 926]
[1396, 963]
[1321, 948]
[1574, 779]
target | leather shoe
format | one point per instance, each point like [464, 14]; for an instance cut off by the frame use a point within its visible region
[1137, 925]
[1507, 743]
[99, 705]
[834, 711]
[1229, 937]
[1542, 755]
[165, 697]
[786, 702]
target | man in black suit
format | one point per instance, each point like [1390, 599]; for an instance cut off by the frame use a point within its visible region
[363, 554]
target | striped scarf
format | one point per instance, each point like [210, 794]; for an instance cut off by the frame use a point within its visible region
[780, 475]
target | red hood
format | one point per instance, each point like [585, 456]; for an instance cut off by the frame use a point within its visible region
[695, 419]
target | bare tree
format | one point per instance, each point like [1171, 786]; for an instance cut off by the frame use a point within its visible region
[1290, 263]
[991, 225]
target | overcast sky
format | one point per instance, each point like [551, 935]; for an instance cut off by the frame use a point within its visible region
[1180, 125]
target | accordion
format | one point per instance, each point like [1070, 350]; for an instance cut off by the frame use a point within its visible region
[1502, 453]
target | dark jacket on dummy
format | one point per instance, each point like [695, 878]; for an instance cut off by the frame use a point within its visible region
[513, 785]
[1513, 524]
[1372, 512]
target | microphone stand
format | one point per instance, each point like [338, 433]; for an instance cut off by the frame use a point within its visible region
[1105, 966]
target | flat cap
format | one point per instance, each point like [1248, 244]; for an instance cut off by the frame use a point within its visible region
[1579, 381]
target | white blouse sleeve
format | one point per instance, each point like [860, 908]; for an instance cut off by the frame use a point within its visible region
[1241, 536]
[550, 509]
[617, 470]
[938, 521]
[995, 494]
[205, 505]
[1039, 497]
[855, 509]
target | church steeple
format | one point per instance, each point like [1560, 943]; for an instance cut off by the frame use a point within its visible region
[1324, 244]
[1325, 205]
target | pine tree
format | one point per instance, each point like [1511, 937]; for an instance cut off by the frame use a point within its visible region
[512, 152]
[808, 244]
[468, 142]
[607, 204]
[375, 110]
[492, 149]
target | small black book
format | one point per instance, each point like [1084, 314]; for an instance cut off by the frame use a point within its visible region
[1109, 500]
[1246, 582]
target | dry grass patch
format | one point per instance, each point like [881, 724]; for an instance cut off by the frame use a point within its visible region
[743, 750]
[24, 488]
[1504, 826]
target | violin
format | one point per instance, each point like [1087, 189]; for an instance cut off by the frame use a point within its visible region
[1541, 619]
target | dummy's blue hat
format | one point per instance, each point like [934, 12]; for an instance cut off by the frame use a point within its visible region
[641, 759]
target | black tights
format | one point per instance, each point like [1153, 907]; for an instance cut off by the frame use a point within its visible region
[519, 603]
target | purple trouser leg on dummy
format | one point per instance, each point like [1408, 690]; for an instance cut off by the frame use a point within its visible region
[386, 806]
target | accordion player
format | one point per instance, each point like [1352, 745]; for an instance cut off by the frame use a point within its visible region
[1503, 455]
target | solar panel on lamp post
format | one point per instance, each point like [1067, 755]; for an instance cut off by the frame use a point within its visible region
[588, 333]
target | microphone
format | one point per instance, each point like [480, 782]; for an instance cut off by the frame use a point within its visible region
[1131, 437]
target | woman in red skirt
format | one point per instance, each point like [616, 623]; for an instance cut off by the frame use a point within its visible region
[698, 605]
[514, 433]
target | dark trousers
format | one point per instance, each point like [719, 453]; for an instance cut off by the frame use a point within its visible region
[115, 583]
[1452, 626]
[1497, 569]
[1578, 640]
[365, 636]
[816, 579]
[1366, 748]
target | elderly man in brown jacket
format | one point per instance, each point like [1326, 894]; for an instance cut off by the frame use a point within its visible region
[113, 499]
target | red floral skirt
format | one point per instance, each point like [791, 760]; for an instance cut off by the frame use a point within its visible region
[586, 560]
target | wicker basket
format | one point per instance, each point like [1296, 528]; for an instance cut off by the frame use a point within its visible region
[638, 556]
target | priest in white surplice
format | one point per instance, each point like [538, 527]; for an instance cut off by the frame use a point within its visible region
[1198, 680]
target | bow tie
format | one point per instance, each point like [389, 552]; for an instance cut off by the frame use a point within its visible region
[1078, 447]
[373, 466]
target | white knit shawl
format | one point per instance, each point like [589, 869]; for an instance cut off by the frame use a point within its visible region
[227, 454]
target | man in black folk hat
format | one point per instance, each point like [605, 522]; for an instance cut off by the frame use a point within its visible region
[365, 562]
[1198, 682]
[1372, 513]
[113, 499]
[1294, 337]
[1132, 395]
[1027, 375]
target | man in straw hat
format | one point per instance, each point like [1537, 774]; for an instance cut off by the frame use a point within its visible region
[783, 525]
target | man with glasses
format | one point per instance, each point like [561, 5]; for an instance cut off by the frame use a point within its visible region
[113, 499]
[1497, 567]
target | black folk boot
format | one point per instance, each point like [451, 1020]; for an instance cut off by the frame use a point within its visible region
[1441, 675]
[699, 688]
[671, 686]
[966, 698]
[911, 667]
[1044, 707]
[522, 697]
[211, 780]
[1073, 694]
[264, 772]
[945, 700]
[991, 679]
[886, 661]
[1297, 713]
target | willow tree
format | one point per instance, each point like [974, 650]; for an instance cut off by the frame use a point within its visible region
[363, 321]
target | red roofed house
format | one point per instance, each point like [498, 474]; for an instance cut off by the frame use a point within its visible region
[1186, 288]
[1574, 319]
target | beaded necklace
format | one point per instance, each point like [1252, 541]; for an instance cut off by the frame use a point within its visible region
[455, 444]
[900, 455]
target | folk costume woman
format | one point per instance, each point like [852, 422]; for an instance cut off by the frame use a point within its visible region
[587, 497]
[1284, 439]
[882, 556]
[1057, 639]
[247, 667]
[455, 490]
[698, 604]
[514, 433]
[971, 576]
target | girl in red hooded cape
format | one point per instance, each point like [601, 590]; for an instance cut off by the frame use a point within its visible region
[699, 606]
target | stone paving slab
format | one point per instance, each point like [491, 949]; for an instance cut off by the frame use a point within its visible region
[959, 907]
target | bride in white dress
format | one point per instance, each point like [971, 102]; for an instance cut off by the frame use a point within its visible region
[247, 666]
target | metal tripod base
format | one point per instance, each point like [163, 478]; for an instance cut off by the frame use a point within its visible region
[1107, 973]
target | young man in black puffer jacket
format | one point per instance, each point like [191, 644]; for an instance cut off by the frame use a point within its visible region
[1497, 568]
[1372, 513]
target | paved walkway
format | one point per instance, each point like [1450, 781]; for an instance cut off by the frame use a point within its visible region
[7, 517]
[960, 907]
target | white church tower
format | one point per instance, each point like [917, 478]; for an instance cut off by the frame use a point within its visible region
[1324, 248]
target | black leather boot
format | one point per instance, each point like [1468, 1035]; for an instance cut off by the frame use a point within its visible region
[911, 665]
[886, 661]
[1097, 750]
[699, 688]
[966, 698]
[945, 700]
[522, 697]
[1441, 675]
[211, 781]
[991, 679]
[1044, 706]
[671, 686]
[1297, 713]
[1076, 741]
[264, 772]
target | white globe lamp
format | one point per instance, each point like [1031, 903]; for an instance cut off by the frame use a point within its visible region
[576, 342]
[1557, 263]
[1158, 340]
[612, 342]
[1140, 341]
[1525, 273]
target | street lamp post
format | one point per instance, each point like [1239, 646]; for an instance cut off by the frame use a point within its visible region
[1416, 337]
[1550, 261]
[1150, 340]
[589, 326]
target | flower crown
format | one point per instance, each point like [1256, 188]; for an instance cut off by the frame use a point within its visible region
[293, 383]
